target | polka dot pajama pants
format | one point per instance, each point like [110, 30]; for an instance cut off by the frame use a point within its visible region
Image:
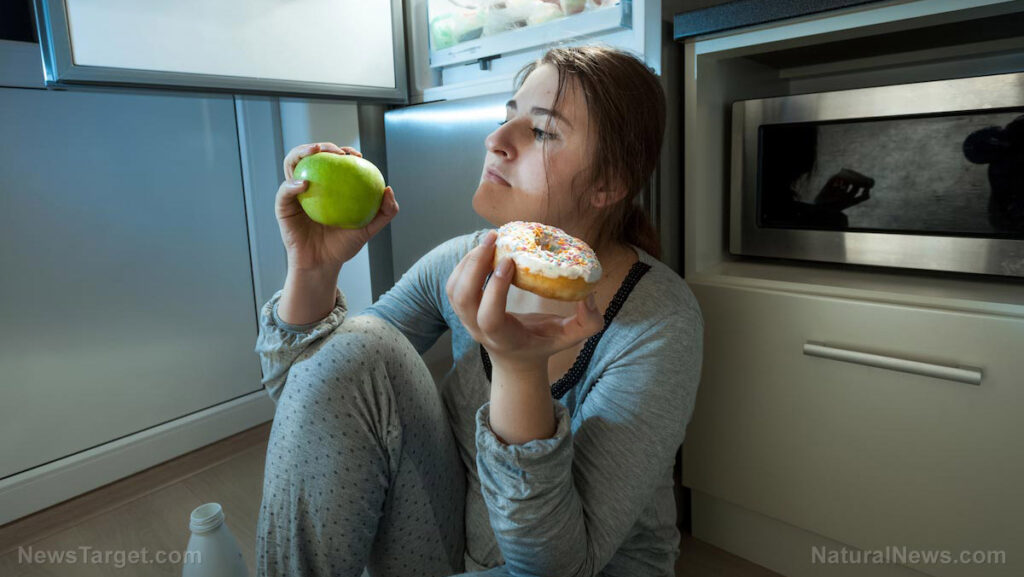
[362, 467]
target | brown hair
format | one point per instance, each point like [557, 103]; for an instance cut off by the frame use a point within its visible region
[626, 104]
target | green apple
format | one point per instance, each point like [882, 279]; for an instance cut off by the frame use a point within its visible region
[344, 190]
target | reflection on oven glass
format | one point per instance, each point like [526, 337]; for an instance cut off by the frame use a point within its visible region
[949, 175]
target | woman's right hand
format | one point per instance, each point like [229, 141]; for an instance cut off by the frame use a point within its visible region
[311, 246]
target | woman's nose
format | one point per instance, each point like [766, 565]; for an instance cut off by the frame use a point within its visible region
[499, 143]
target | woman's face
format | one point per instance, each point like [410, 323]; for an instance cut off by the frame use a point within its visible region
[535, 154]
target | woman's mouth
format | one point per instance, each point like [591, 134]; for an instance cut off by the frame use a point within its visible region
[491, 175]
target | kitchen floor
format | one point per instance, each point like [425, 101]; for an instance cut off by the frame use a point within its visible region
[150, 510]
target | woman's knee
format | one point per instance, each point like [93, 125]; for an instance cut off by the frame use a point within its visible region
[368, 334]
[358, 347]
[371, 350]
[353, 385]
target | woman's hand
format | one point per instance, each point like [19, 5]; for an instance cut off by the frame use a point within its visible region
[311, 246]
[843, 190]
[517, 341]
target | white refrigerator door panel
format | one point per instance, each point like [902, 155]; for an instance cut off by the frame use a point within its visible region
[126, 294]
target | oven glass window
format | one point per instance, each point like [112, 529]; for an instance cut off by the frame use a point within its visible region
[960, 175]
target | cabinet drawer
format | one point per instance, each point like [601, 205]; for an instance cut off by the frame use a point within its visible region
[868, 456]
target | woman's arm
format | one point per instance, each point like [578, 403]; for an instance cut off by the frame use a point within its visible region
[307, 296]
[564, 505]
[279, 342]
[415, 304]
[520, 346]
[521, 407]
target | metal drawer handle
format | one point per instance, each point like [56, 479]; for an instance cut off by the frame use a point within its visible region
[959, 374]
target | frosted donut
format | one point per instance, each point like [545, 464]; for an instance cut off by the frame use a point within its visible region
[549, 262]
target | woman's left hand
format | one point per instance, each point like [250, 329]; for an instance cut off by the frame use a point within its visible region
[516, 340]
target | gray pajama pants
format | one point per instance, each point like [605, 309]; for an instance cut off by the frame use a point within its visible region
[362, 467]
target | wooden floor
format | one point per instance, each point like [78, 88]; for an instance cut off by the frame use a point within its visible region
[150, 511]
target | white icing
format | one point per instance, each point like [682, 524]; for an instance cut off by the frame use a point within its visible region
[590, 272]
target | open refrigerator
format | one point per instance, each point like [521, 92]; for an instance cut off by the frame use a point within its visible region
[465, 30]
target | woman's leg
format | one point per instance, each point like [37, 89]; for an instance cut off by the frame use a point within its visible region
[362, 467]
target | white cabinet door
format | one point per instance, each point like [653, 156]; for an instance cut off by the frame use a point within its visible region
[863, 455]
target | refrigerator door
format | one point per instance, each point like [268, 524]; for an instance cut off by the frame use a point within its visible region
[126, 297]
[435, 157]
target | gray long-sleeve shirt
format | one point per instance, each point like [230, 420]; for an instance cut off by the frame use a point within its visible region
[595, 499]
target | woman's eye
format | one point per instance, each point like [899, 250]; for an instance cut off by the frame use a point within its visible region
[538, 134]
[542, 135]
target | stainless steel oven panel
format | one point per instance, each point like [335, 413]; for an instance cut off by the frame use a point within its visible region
[960, 254]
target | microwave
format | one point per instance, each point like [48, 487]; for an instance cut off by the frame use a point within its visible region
[928, 175]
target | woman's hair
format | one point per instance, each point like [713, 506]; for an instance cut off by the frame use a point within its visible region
[626, 104]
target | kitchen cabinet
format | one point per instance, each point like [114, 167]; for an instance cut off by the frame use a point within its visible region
[865, 455]
[787, 452]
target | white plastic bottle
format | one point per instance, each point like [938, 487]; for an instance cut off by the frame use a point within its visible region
[212, 550]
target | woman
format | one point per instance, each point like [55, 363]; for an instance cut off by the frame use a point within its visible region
[548, 447]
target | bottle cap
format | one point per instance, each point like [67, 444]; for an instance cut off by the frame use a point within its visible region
[206, 518]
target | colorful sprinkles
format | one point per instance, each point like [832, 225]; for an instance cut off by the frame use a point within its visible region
[551, 246]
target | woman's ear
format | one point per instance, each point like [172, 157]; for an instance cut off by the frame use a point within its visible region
[606, 198]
